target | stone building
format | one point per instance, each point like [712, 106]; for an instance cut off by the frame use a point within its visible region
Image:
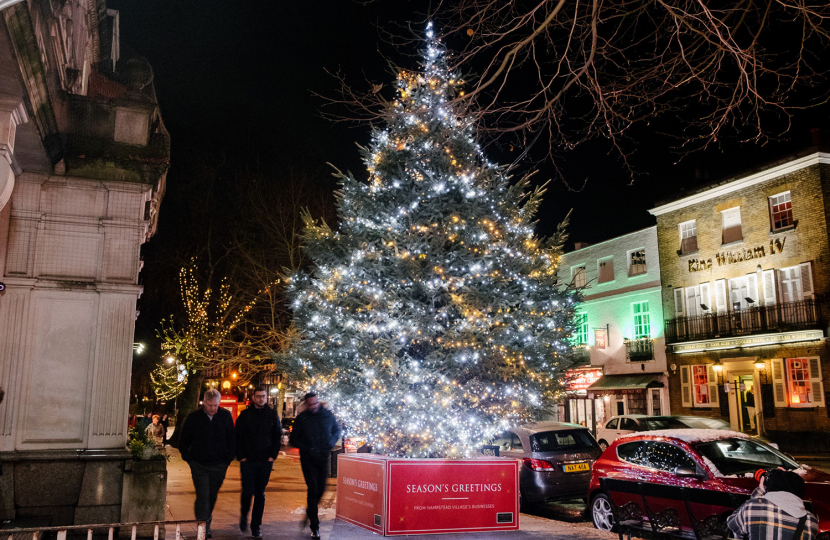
[745, 266]
[619, 324]
[84, 160]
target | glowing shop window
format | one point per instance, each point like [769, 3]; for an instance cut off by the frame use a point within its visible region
[700, 379]
[798, 377]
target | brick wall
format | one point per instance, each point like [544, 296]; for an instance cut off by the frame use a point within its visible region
[806, 241]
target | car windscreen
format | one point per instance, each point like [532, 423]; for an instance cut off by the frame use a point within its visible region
[575, 440]
[740, 456]
[655, 423]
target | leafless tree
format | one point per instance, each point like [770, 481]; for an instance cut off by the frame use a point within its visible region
[565, 72]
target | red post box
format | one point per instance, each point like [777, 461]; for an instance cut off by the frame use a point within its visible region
[230, 403]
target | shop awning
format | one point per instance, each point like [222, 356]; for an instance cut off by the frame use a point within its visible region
[625, 384]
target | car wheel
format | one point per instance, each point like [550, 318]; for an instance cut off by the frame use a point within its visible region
[601, 513]
[603, 445]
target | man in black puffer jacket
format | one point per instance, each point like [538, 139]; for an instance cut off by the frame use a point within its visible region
[315, 434]
[208, 445]
[258, 433]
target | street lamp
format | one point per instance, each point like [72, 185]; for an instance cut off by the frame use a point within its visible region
[138, 348]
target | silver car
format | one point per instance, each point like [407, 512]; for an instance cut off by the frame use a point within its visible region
[556, 459]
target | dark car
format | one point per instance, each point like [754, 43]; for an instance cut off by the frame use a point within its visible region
[556, 459]
[287, 426]
[709, 459]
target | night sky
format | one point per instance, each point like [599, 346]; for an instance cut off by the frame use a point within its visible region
[235, 83]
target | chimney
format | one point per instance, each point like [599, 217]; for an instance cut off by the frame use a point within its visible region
[580, 245]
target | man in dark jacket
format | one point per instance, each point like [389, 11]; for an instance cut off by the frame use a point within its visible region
[775, 510]
[208, 445]
[315, 434]
[258, 433]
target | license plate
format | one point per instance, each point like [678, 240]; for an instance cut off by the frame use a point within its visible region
[577, 467]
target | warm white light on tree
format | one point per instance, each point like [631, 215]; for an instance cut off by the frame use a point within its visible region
[432, 316]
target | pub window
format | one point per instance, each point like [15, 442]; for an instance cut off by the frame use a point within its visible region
[781, 211]
[797, 382]
[732, 225]
[700, 380]
[580, 335]
[637, 262]
[606, 269]
[688, 237]
[578, 276]
[642, 322]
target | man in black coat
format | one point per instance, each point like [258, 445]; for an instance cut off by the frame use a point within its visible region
[258, 433]
[208, 445]
[315, 433]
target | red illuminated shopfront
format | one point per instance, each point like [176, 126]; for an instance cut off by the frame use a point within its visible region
[579, 407]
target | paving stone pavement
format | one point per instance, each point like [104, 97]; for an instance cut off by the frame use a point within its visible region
[285, 509]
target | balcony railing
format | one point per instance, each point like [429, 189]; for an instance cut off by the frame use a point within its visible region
[743, 322]
[639, 350]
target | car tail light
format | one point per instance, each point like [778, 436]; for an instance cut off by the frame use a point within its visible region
[538, 464]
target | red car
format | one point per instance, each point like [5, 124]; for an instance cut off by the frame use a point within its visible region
[709, 459]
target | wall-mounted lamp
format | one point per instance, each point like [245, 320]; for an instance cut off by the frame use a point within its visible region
[704, 307]
[717, 367]
[761, 366]
[749, 300]
[673, 368]
[606, 397]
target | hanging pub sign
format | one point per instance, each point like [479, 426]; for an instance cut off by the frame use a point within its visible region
[599, 338]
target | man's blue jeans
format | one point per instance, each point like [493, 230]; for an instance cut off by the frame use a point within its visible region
[255, 476]
[207, 479]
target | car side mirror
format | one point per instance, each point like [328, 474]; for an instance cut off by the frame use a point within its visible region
[685, 472]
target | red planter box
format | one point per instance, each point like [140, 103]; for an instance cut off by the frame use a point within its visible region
[392, 496]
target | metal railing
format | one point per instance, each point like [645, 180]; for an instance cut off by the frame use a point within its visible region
[37, 533]
[743, 322]
[639, 350]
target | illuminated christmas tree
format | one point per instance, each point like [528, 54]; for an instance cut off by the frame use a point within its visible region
[432, 318]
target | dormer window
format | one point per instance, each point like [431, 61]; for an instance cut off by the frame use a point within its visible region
[688, 237]
[732, 225]
[781, 211]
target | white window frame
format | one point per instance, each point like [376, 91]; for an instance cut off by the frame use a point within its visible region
[688, 229]
[600, 264]
[698, 367]
[773, 200]
[642, 315]
[580, 336]
[731, 219]
[575, 273]
[641, 267]
[782, 382]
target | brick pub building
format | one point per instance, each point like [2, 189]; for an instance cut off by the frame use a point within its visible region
[745, 267]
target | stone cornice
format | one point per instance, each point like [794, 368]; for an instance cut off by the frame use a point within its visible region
[745, 182]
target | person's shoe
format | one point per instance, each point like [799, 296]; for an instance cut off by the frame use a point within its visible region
[208, 535]
[243, 523]
[315, 533]
[256, 533]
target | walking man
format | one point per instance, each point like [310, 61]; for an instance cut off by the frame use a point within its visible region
[315, 434]
[208, 445]
[258, 433]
